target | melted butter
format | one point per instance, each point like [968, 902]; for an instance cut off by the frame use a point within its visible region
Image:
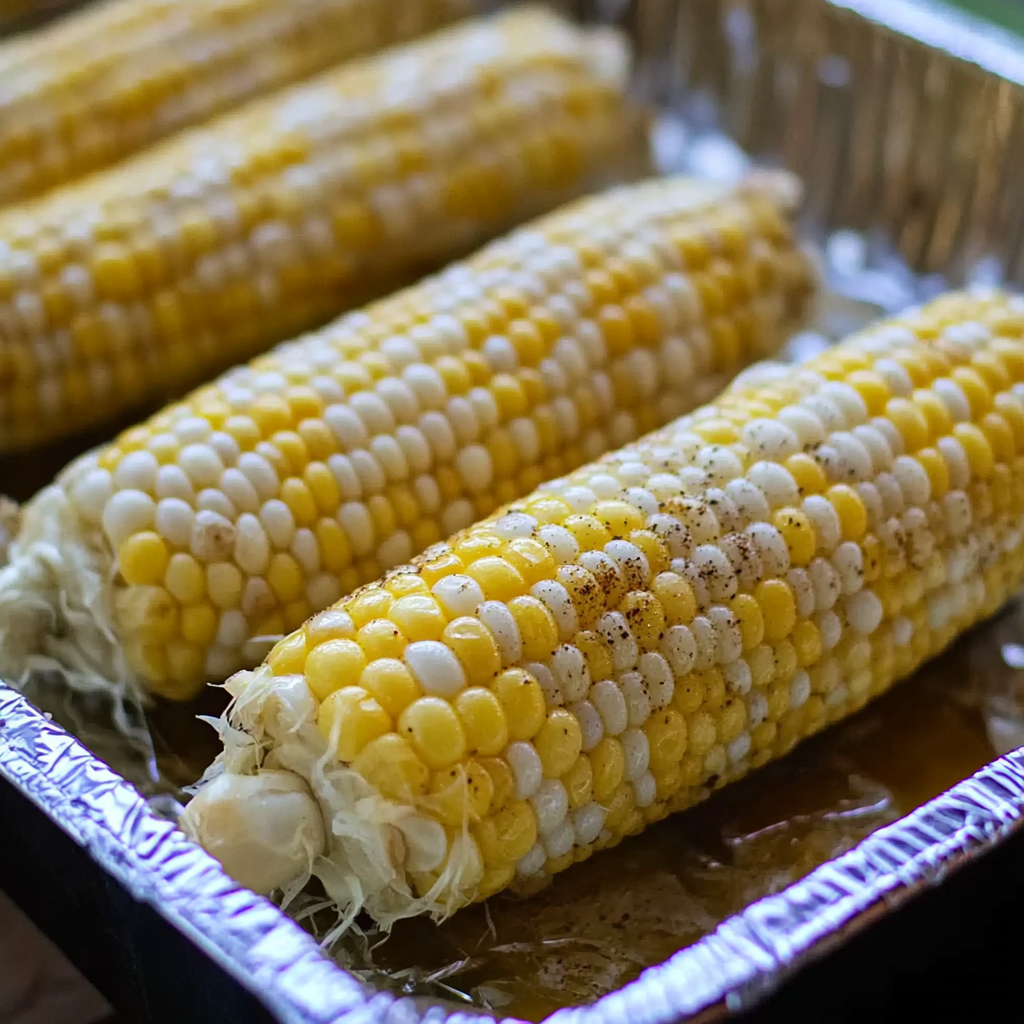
[601, 923]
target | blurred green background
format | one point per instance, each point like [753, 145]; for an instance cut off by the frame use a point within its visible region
[1007, 13]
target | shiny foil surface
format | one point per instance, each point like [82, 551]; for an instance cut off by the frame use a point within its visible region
[907, 129]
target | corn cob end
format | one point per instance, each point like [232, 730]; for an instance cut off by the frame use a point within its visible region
[268, 824]
[53, 569]
[266, 830]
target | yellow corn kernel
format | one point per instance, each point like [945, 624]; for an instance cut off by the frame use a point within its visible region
[579, 782]
[730, 720]
[608, 762]
[871, 386]
[369, 604]
[381, 638]
[666, 737]
[537, 629]
[285, 577]
[689, 693]
[390, 765]
[350, 718]
[459, 795]
[497, 578]
[143, 559]
[418, 616]
[434, 730]
[713, 682]
[484, 721]
[588, 531]
[977, 448]
[761, 662]
[938, 472]
[935, 413]
[522, 702]
[596, 652]
[620, 804]
[390, 682]
[558, 742]
[530, 559]
[809, 476]
[645, 617]
[508, 835]
[503, 782]
[653, 550]
[849, 507]
[619, 518]
[975, 390]
[807, 643]
[199, 624]
[798, 534]
[911, 421]
[749, 619]
[473, 645]
[702, 733]
[778, 608]
[332, 665]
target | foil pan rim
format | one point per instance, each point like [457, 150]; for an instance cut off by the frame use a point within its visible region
[245, 934]
[752, 953]
[740, 962]
[941, 26]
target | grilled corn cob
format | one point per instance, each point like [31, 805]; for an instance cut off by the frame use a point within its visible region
[93, 88]
[266, 496]
[204, 250]
[638, 633]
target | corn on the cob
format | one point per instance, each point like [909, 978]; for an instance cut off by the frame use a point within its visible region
[95, 87]
[266, 496]
[636, 634]
[206, 249]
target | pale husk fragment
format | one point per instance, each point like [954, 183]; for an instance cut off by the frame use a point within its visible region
[57, 595]
[270, 728]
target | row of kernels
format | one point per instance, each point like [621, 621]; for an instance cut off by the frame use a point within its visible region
[123, 263]
[79, 145]
[287, 452]
[383, 426]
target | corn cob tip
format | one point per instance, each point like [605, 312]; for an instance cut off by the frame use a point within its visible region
[268, 823]
[265, 829]
[610, 56]
[51, 564]
[786, 190]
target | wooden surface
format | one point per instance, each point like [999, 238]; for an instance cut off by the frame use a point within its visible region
[37, 984]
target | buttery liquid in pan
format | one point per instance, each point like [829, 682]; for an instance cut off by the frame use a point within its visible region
[600, 924]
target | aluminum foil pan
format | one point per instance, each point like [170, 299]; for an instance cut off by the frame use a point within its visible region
[907, 125]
